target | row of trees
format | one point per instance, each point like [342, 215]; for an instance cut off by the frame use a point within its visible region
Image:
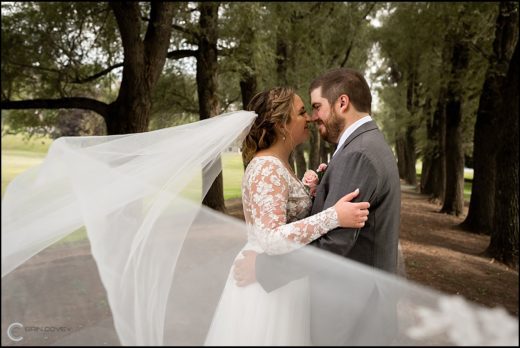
[443, 79]
[457, 88]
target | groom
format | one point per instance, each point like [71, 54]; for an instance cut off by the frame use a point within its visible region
[341, 103]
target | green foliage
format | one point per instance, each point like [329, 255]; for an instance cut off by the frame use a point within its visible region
[54, 43]
[47, 47]
[175, 99]
[28, 122]
[411, 42]
[51, 45]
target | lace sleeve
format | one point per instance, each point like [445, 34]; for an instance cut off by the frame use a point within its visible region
[269, 193]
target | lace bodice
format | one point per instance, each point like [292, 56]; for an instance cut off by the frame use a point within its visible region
[276, 206]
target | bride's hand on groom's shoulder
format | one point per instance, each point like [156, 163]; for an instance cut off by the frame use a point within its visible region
[244, 271]
[351, 215]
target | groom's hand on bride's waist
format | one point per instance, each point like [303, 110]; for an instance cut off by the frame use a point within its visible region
[244, 271]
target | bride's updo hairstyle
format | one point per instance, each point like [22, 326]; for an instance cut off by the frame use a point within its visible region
[273, 108]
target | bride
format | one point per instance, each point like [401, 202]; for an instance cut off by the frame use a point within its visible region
[276, 206]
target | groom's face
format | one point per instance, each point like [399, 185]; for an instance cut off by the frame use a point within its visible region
[329, 124]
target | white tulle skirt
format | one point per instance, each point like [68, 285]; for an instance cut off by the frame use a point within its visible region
[251, 316]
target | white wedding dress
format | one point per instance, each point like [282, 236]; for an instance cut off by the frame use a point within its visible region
[276, 206]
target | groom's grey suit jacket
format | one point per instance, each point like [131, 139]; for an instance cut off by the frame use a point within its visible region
[365, 161]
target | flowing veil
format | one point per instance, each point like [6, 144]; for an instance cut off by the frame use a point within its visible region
[154, 261]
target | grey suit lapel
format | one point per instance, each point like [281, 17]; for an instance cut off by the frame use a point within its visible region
[317, 205]
[366, 127]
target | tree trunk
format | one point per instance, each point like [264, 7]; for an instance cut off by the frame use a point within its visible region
[428, 153]
[130, 113]
[142, 65]
[454, 198]
[400, 150]
[314, 152]
[207, 84]
[439, 161]
[434, 182]
[410, 174]
[504, 236]
[454, 195]
[247, 88]
[482, 202]
[326, 151]
[281, 60]
[301, 165]
[425, 175]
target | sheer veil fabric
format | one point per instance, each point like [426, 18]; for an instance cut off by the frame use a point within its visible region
[154, 261]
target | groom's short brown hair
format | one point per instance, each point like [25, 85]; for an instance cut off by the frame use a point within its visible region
[347, 81]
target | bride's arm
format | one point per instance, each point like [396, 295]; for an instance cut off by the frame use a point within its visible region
[268, 197]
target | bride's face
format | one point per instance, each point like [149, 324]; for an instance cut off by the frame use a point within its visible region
[298, 127]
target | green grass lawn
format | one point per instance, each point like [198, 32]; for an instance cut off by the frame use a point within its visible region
[19, 155]
[232, 171]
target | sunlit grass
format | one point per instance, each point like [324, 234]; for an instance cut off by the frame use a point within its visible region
[232, 171]
[18, 142]
[468, 179]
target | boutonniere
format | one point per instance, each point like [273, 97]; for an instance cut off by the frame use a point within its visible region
[321, 170]
[312, 178]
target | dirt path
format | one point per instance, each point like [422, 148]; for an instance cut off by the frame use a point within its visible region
[440, 255]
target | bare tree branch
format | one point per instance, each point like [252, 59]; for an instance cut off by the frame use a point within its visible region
[97, 75]
[349, 49]
[62, 103]
[178, 54]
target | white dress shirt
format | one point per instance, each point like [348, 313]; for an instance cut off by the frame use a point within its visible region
[350, 129]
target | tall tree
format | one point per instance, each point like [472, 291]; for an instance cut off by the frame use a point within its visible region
[504, 236]
[481, 207]
[402, 33]
[433, 177]
[454, 196]
[469, 37]
[207, 85]
[142, 64]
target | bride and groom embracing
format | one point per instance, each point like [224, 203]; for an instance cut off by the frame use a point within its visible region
[272, 299]
[161, 257]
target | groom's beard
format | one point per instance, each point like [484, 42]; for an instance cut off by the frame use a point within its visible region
[332, 128]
